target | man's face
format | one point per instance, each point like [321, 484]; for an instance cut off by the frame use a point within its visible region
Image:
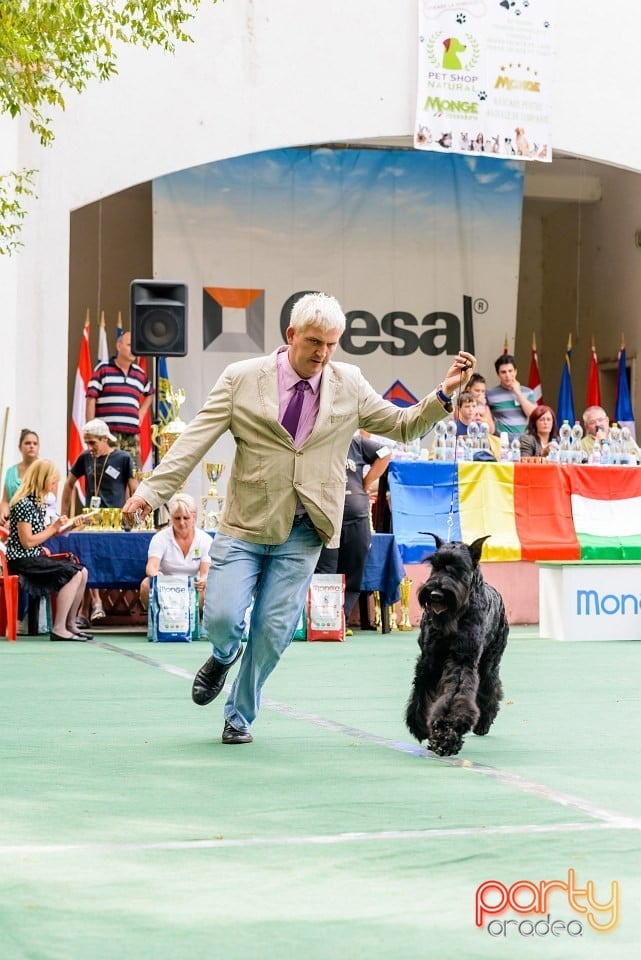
[97, 446]
[597, 420]
[123, 347]
[507, 375]
[310, 349]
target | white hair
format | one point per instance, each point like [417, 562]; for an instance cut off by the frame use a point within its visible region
[182, 501]
[317, 310]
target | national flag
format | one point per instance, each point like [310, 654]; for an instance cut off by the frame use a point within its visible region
[534, 377]
[146, 445]
[565, 407]
[163, 386]
[119, 330]
[534, 511]
[606, 508]
[623, 412]
[594, 387]
[525, 506]
[103, 346]
[78, 418]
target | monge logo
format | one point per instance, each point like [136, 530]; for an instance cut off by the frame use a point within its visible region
[591, 602]
[526, 898]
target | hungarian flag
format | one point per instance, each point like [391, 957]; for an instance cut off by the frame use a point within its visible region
[565, 407]
[534, 377]
[146, 446]
[606, 511]
[78, 418]
[623, 412]
[594, 387]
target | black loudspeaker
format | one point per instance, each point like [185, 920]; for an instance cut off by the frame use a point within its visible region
[158, 318]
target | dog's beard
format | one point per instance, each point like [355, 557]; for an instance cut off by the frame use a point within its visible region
[444, 601]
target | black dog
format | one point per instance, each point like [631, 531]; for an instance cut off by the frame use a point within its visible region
[462, 638]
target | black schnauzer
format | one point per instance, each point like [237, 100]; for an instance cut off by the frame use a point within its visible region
[462, 638]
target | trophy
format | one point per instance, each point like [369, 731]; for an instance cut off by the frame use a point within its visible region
[405, 587]
[165, 436]
[214, 471]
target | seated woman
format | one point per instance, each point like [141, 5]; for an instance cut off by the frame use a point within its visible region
[541, 428]
[181, 548]
[40, 574]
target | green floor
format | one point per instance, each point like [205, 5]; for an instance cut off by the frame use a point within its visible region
[129, 831]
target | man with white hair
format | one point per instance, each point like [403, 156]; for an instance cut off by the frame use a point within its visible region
[292, 415]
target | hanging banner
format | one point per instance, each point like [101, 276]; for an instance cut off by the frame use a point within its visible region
[485, 77]
[421, 250]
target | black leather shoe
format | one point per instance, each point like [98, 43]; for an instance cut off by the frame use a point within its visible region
[232, 735]
[74, 636]
[210, 679]
[81, 635]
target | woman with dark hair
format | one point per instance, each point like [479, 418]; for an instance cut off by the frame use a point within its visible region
[29, 447]
[541, 428]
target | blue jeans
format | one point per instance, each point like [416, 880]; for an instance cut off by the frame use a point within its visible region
[277, 577]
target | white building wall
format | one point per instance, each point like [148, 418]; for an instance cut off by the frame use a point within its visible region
[260, 75]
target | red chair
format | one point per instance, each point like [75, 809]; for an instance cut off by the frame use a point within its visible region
[9, 584]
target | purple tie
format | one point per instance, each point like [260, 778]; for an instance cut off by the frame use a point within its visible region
[294, 408]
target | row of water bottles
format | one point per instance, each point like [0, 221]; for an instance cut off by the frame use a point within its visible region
[449, 447]
[568, 448]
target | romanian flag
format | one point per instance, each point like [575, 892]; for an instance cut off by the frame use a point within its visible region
[531, 511]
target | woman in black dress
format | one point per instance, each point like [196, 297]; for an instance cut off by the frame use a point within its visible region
[40, 574]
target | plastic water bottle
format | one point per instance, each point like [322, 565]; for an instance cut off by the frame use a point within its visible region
[439, 443]
[614, 440]
[515, 450]
[565, 434]
[628, 457]
[505, 447]
[595, 456]
[553, 451]
[450, 441]
[484, 434]
[605, 453]
[576, 447]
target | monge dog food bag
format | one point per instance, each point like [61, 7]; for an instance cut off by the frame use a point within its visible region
[173, 609]
[325, 598]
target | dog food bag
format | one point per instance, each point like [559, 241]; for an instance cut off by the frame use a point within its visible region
[325, 615]
[173, 609]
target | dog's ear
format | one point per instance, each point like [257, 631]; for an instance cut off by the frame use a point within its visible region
[437, 540]
[476, 548]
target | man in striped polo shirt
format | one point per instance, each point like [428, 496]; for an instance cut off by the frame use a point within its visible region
[120, 393]
[509, 402]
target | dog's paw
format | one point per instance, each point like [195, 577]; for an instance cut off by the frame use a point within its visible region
[482, 727]
[444, 741]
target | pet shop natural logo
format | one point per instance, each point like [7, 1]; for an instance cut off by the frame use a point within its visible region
[529, 899]
[452, 53]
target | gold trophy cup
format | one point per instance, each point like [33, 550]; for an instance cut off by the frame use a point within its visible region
[214, 472]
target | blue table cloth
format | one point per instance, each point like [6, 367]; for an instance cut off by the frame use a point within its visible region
[119, 560]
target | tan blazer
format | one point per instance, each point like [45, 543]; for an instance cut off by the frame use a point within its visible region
[268, 474]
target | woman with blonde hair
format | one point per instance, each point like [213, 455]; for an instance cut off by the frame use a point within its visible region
[40, 574]
[181, 548]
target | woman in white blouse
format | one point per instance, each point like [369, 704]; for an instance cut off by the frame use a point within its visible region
[181, 548]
